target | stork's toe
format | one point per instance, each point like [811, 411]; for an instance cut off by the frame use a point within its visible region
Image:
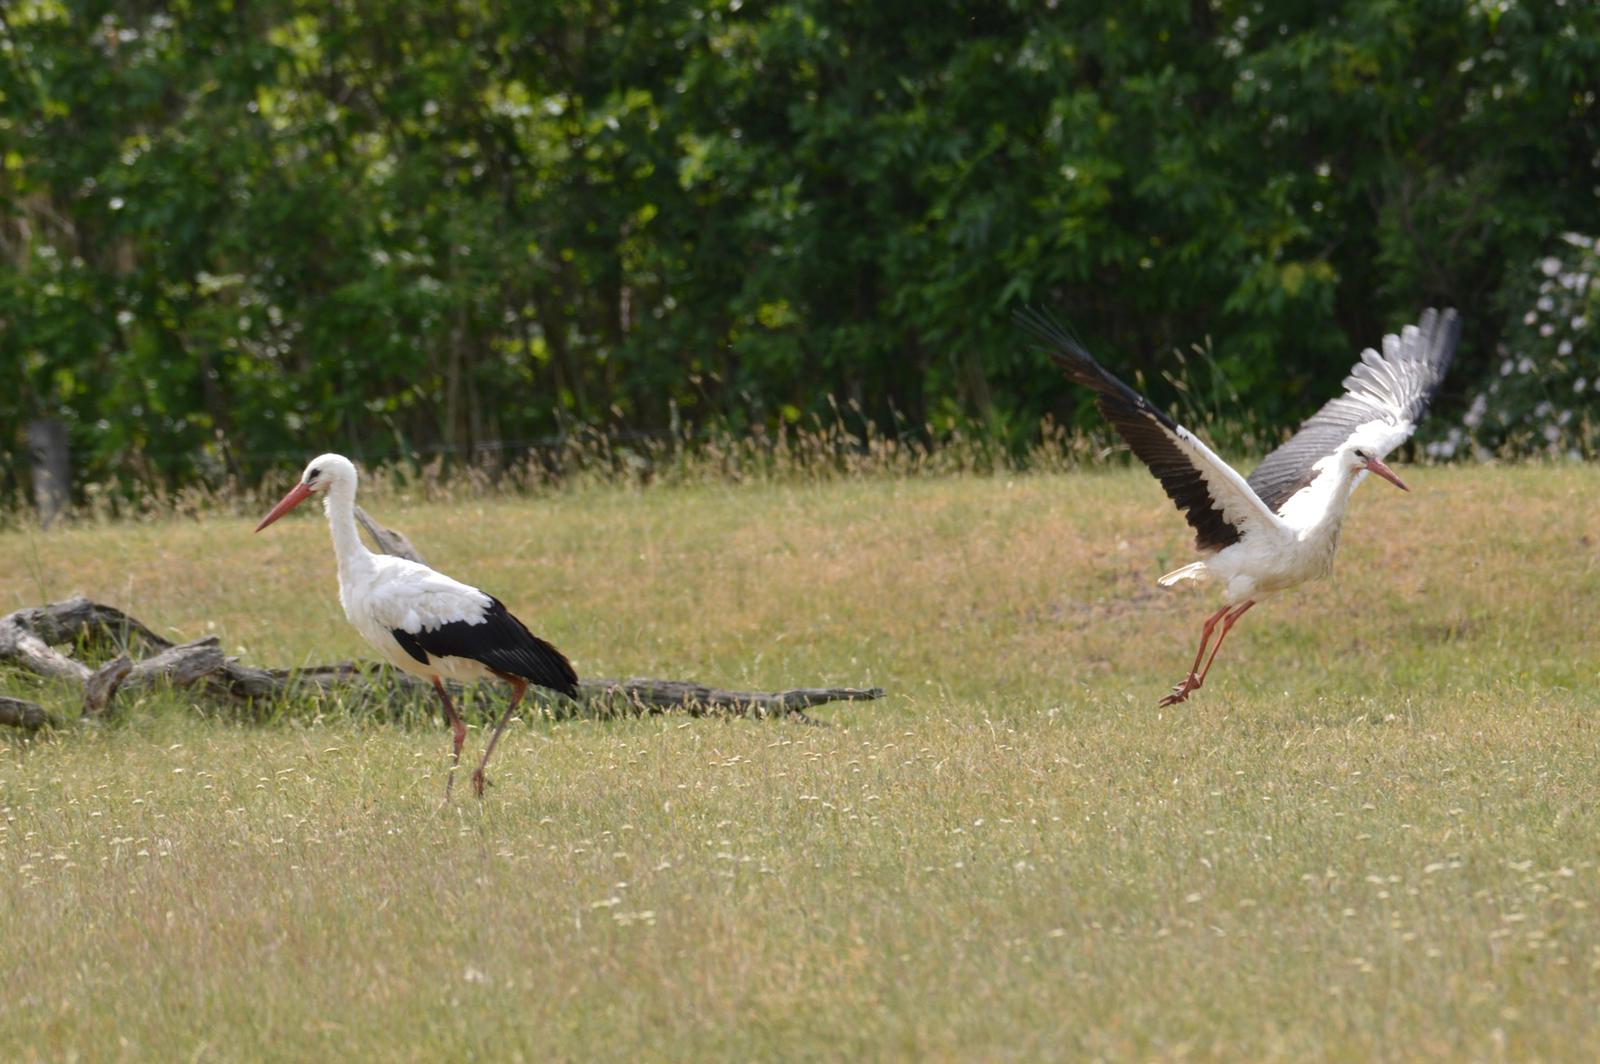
[1181, 690]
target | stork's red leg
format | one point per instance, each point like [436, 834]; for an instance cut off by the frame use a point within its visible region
[1227, 623]
[1192, 681]
[518, 686]
[460, 734]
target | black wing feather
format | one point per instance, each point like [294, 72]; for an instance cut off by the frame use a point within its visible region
[499, 641]
[1150, 434]
[1420, 367]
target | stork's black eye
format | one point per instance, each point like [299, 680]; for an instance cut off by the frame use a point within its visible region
[312, 475]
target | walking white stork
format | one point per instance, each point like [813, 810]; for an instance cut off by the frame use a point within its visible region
[422, 621]
[1280, 527]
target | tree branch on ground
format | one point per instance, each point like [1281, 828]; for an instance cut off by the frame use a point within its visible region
[138, 658]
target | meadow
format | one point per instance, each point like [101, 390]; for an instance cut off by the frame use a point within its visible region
[1374, 834]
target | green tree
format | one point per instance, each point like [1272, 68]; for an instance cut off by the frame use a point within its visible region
[230, 234]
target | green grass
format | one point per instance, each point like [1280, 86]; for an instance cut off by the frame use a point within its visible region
[1374, 834]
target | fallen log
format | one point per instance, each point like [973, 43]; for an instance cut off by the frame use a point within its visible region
[29, 637]
[29, 716]
[696, 699]
[20, 644]
[179, 666]
[78, 620]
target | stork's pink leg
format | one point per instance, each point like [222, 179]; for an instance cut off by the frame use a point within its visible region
[460, 734]
[518, 686]
[1227, 623]
[1192, 681]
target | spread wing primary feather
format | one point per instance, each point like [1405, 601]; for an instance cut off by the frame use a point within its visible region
[1218, 503]
[1385, 396]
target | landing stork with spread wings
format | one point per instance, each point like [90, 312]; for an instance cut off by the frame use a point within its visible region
[1280, 527]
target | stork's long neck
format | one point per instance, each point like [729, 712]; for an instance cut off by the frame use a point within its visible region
[353, 555]
[1342, 487]
[1319, 509]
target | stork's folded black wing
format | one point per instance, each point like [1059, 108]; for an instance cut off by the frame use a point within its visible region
[499, 641]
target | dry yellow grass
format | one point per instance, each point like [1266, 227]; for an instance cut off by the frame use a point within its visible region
[1373, 834]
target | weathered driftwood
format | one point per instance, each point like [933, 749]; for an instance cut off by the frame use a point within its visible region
[79, 620]
[26, 637]
[30, 716]
[653, 695]
[29, 637]
[20, 643]
[179, 666]
[388, 540]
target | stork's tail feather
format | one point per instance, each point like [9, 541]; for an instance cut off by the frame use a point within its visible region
[1192, 571]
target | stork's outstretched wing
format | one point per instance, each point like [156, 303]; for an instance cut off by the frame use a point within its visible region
[1385, 396]
[1218, 502]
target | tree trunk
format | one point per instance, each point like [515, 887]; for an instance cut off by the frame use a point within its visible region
[52, 468]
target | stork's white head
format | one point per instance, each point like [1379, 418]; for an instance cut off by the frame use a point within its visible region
[1359, 457]
[324, 473]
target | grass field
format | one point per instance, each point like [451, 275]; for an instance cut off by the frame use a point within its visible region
[1374, 834]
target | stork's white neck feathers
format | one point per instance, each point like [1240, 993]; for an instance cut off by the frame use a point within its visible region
[1320, 505]
[340, 506]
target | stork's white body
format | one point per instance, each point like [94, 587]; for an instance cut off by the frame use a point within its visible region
[382, 594]
[1282, 550]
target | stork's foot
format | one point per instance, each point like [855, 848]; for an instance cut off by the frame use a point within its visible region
[1180, 691]
[479, 782]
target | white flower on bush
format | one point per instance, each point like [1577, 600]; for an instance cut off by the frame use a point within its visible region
[1548, 340]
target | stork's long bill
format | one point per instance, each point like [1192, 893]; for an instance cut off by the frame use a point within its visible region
[297, 495]
[1372, 465]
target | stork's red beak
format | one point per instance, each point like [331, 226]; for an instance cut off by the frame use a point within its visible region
[297, 495]
[1373, 466]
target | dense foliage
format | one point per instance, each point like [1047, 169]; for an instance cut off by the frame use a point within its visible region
[234, 234]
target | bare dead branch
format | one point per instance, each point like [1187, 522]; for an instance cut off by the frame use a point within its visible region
[654, 696]
[100, 687]
[29, 716]
[20, 644]
[388, 540]
[78, 620]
